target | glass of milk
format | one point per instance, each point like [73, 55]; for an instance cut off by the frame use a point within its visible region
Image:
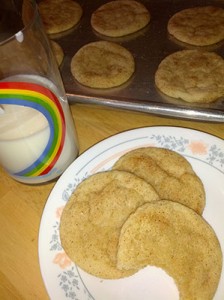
[37, 135]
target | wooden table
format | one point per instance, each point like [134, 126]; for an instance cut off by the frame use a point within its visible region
[21, 206]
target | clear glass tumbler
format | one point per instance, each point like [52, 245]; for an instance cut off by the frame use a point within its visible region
[37, 134]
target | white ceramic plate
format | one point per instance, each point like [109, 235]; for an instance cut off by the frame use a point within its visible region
[63, 279]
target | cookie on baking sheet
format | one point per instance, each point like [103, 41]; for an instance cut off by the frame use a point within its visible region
[120, 18]
[173, 237]
[59, 15]
[102, 64]
[57, 51]
[199, 26]
[191, 75]
[168, 172]
[92, 219]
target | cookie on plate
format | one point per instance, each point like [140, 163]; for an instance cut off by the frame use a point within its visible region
[171, 236]
[168, 172]
[191, 75]
[59, 15]
[120, 18]
[102, 64]
[199, 26]
[92, 219]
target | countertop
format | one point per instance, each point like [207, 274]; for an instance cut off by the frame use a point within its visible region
[21, 206]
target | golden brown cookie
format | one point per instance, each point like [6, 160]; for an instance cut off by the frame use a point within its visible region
[191, 75]
[92, 219]
[120, 18]
[173, 237]
[168, 172]
[57, 51]
[59, 15]
[102, 64]
[199, 26]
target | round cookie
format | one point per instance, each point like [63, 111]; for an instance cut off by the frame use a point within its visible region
[168, 172]
[120, 18]
[59, 15]
[191, 75]
[57, 51]
[199, 26]
[92, 219]
[102, 64]
[173, 237]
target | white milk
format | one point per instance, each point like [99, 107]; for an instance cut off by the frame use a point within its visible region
[24, 134]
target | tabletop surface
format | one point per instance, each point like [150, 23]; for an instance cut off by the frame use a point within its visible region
[21, 206]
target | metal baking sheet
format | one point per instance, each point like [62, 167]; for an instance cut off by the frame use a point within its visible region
[148, 46]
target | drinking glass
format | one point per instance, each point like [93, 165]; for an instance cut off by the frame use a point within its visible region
[37, 134]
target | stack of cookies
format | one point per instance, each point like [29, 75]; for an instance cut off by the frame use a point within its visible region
[146, 210]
